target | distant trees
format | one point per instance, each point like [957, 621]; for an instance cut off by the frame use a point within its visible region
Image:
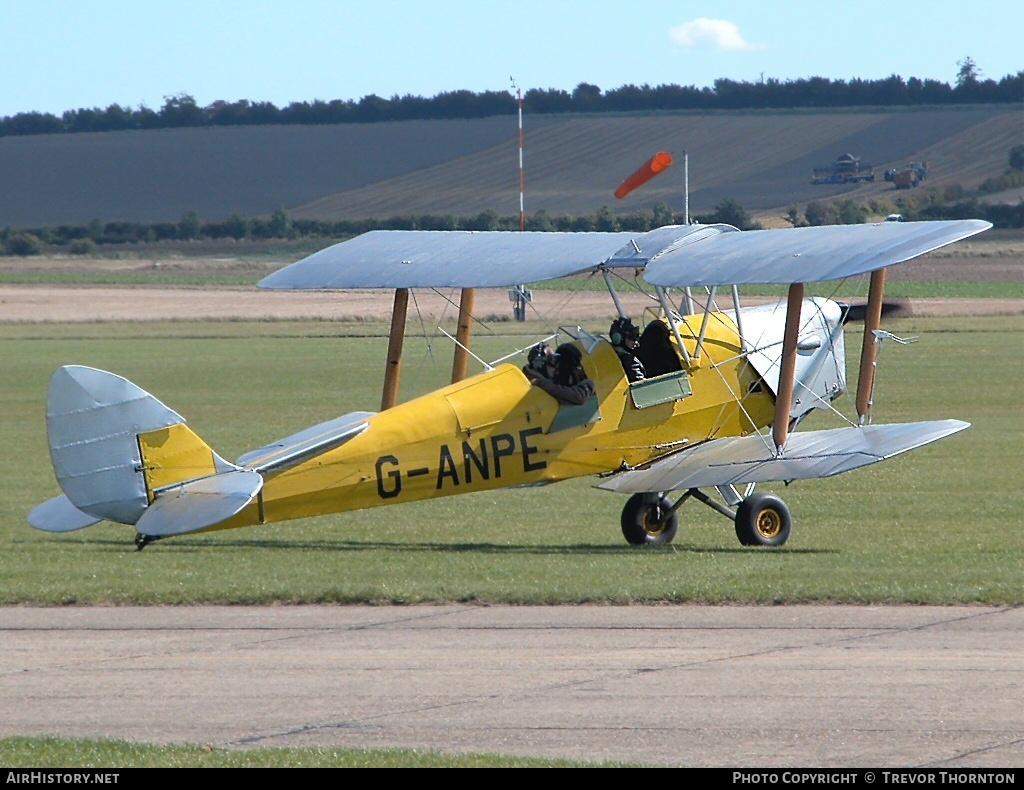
[837, 212]
[1012, 177]
[23, 244]
[182, 110]
[730, 212]
[1017, 157]
[968, 73]
[950, 202]
[190, 226]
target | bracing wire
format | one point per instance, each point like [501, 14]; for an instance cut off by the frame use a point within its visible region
[427, 338]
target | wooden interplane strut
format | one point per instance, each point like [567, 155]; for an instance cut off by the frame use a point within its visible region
[395, 341]
[462, 331]
[869, 348]
[787, 373]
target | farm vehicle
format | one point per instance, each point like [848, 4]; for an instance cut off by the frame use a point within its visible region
[910, 176]
[846, 169]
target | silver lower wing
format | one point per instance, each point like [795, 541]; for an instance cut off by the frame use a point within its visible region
[807, 455]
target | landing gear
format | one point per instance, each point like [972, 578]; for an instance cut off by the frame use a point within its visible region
[649, 518]
[763, 520]
[760, 519]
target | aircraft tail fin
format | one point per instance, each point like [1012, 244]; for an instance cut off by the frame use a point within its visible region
[119, 454]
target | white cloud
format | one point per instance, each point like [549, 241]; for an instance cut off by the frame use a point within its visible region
[709, 34]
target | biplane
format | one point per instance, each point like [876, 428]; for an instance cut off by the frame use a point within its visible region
[725, 420]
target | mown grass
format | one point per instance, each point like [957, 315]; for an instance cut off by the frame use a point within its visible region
[940, 525]
[896, 289]
[179, 279]
[51, 752]
[855, 288]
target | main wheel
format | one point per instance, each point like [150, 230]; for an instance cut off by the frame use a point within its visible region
[763, 520]
[644, 520]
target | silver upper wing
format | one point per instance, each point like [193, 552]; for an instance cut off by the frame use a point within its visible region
[675, 255]
[475, 259]
[796, 255]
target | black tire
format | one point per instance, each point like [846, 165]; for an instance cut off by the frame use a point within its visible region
[763, 520]
[642, 520]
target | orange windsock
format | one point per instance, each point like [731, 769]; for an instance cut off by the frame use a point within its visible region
[644, 173]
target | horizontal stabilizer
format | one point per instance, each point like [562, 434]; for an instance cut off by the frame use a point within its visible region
[59, 515]
[201, 503]
[295, 449]
[807, 454]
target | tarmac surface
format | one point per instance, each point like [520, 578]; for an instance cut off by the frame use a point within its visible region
[689, 685]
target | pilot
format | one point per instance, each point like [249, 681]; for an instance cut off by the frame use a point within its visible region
[625, 339]
[568, 383]
[656, 352]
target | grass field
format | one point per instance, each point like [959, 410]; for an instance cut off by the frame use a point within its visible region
[896, 290]
[939, 525]
[71, 753]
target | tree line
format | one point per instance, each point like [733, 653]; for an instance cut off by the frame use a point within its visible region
[725, 94]
[949, 203]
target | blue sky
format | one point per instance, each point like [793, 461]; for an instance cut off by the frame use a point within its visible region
[66, 54]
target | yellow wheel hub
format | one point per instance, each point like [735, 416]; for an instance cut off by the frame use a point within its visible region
[651, 526]
[769, 522]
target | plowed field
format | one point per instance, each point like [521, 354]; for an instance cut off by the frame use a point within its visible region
[763, 160]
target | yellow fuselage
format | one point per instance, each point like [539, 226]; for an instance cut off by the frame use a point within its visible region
[495, 430]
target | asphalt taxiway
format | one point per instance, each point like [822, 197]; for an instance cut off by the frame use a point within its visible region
[784, 686]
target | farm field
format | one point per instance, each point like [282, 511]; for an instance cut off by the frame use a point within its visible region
[764, 160]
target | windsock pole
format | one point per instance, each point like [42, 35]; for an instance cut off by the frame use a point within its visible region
[519, 299]
[522, 176]
[686, 188]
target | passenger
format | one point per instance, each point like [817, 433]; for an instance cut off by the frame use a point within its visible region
[568, 383]
[625, 337]
[540, 362]
[656, 351]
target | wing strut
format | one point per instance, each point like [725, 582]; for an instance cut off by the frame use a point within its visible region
[704, 323]
[461, 357]
[613, 292]
[663, 298]
[869, 348]
[395, 340]
[787, 373]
